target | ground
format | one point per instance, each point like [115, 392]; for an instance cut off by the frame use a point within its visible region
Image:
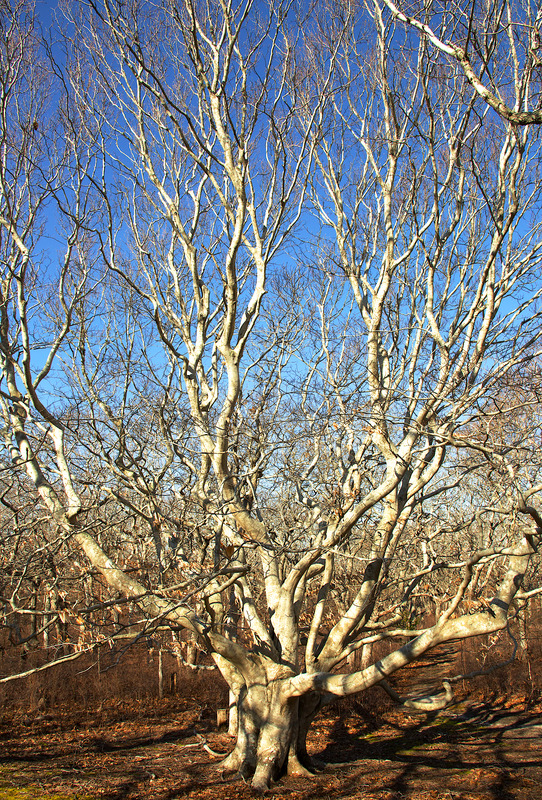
[171, 749]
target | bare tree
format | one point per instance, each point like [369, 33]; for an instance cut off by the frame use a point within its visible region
[495, 46]
[299, 259]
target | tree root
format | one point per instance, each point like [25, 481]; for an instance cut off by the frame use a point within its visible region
[429, 702]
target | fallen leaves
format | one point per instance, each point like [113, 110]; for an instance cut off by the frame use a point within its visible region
[158, 752]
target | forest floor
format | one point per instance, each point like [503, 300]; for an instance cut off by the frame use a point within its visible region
[156, 750]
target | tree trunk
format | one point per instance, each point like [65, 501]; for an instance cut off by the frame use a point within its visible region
[271, 734]
[232, 713]
[366, 655]
[160, 674]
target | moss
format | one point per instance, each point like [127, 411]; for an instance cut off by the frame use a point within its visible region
[33, 792]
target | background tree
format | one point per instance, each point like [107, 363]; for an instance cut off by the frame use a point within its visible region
[299, 261]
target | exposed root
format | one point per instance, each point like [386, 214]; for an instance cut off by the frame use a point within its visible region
[300, 771]
[301, 764]
[202, 742]
[260, 784]
[209, 750]
[432, 702]
[231, 763]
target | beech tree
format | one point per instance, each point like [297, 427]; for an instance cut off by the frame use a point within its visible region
[298, 257]
[495, 46]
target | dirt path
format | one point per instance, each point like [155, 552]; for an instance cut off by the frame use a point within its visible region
[472, 753]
